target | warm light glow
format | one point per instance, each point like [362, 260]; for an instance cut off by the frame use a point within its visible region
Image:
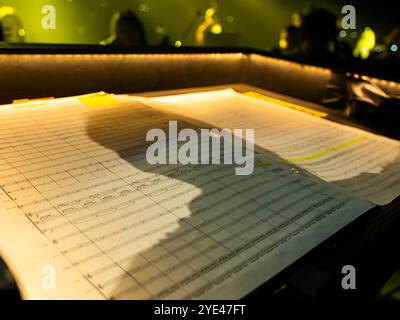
[365, 44]
[21, 32]
[5, 11]
[210, 23]
[216, 29]
[283, 43]
[209, 13]
[297, 20]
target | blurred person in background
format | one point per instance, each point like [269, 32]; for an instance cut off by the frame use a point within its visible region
[319, 33]
[313, 37]
[126, 30]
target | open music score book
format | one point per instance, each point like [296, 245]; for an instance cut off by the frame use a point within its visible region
[361, 162]
[77, 195]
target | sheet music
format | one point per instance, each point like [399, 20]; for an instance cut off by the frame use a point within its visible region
[359, 161]
[77, 194]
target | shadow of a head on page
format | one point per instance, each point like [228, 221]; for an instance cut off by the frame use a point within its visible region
[192, 226]
[192, 216]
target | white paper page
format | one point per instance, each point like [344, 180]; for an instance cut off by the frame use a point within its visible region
[77, 194]
[361, 162]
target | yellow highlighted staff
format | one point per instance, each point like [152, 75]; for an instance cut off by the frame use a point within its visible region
[286, 104]
[263, 164]
[326, 151]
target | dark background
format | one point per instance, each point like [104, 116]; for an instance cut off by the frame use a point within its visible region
[255, 23]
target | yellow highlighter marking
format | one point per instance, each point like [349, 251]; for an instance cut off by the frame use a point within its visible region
[286, 104]
[263, 164]
[326, 151]
[98, 100]
[26, 103]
